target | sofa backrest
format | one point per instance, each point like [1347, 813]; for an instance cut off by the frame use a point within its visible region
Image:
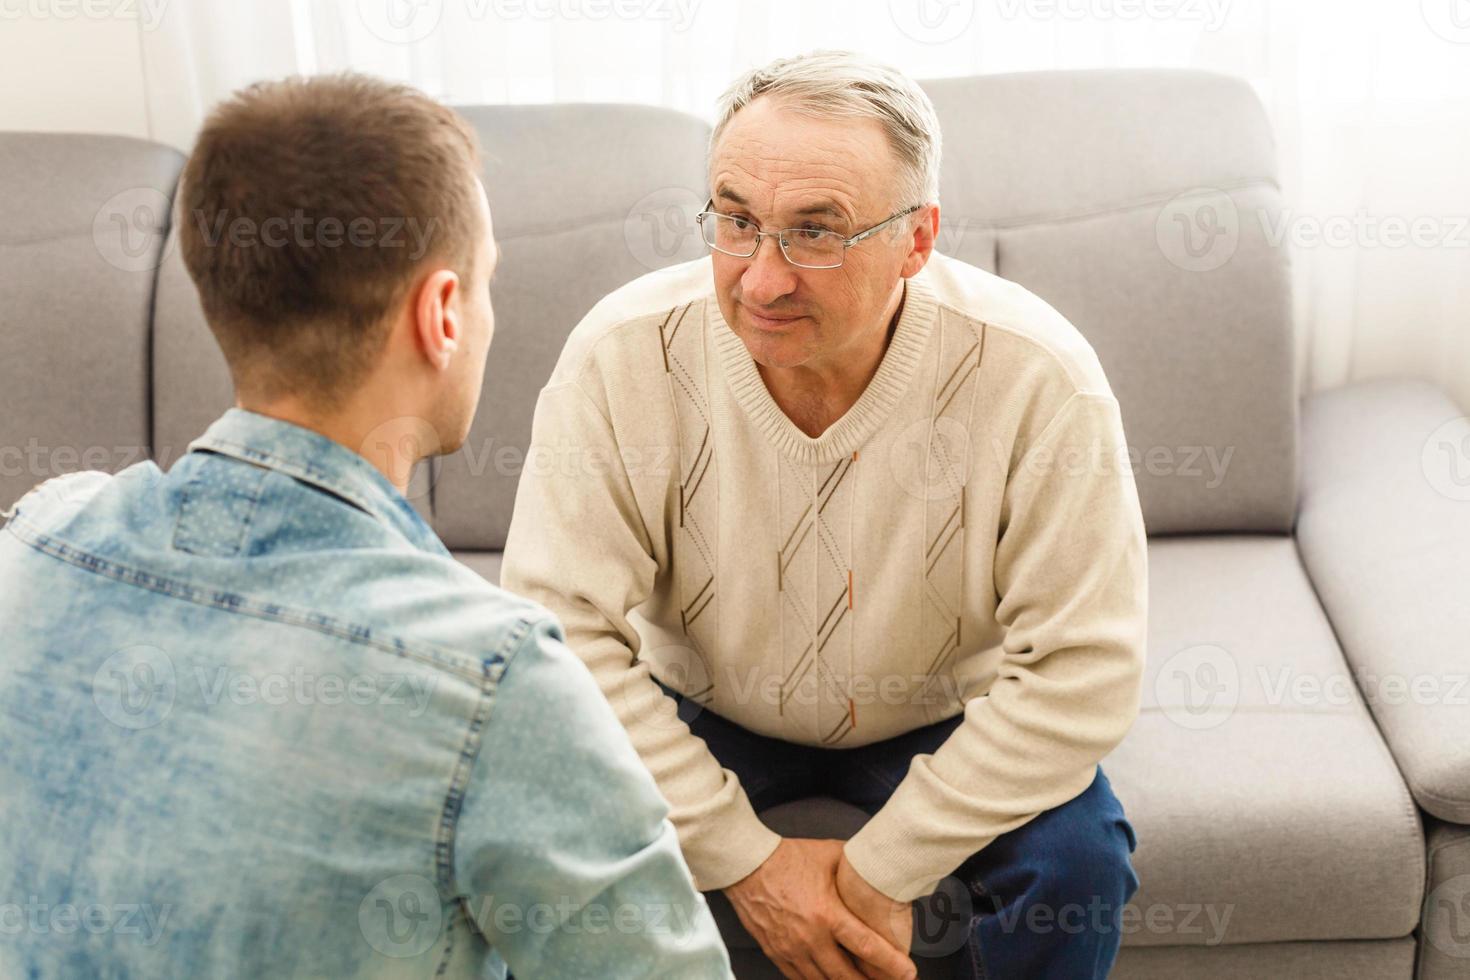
[584, 198]
[1136, 202]
[84, 223]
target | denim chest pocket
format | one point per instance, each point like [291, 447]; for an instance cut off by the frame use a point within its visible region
[217, 507]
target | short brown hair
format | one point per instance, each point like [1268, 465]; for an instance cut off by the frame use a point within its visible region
[306, 209]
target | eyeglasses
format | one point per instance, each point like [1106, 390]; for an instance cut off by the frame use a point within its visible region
[806, 248]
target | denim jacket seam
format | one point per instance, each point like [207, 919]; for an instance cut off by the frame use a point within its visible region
[493, 668]
[189, 493]
[455, 912]
[34, 538]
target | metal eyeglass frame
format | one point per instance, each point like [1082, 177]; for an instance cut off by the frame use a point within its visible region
[780, 235]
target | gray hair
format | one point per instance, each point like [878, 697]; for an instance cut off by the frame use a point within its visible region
[843, 84]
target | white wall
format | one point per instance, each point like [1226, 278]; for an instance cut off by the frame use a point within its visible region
[70, 73]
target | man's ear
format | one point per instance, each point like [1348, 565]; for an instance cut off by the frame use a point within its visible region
[922, 246]
[437, 325]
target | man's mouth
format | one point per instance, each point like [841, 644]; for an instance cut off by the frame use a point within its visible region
[775, 322]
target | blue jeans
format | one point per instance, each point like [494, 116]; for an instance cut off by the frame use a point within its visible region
[1041, 901]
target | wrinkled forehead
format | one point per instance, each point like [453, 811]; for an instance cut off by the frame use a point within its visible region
[777, 162]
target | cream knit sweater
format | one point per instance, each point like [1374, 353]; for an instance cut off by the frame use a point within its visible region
[967, 538]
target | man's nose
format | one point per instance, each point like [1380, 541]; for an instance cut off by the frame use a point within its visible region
[769, 276]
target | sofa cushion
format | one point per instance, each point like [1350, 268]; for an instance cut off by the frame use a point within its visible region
[1255, 777]
[485, 563]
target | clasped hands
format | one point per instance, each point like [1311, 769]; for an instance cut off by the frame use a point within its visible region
[817, 919]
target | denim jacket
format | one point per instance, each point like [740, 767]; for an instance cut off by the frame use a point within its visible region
[256, 721]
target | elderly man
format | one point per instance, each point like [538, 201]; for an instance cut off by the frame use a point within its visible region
[849, 519]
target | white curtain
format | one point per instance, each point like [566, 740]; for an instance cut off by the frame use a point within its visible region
[1370, 100]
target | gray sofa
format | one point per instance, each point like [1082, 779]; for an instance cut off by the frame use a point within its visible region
[1295, 816]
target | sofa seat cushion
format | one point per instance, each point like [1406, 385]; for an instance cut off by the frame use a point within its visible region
[1255, 777]
[485, 563]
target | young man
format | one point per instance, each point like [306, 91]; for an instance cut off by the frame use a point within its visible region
[254, 719]
[897, 555]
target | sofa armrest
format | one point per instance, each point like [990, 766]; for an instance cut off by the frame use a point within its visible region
[1383, 527]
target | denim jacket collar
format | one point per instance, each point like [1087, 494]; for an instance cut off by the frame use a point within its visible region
[321, 462]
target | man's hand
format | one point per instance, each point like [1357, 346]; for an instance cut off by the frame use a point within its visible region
[791, 905]
[894, 921]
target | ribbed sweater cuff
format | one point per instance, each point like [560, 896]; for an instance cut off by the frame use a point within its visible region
[883, 853]
[729, 847]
